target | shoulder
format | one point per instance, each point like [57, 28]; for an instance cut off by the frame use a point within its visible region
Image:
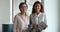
[16, 16]
[32, 14]
[43, 14]
[27, 16]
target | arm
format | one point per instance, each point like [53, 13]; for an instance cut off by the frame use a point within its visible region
[15, 24]
[30, 24]
[45, 21]
[19, 26]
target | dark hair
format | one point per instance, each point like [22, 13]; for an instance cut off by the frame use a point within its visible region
[42, 8]
[22, 4]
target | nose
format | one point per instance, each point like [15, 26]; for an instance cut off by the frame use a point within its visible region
[37, 7]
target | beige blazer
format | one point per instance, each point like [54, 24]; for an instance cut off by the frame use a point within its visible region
[20, 23]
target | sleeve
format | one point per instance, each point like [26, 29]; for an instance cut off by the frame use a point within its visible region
[19, 26]
[30, 20]
[45, 21]
[30, 23]
[15, 24]
[44, 18]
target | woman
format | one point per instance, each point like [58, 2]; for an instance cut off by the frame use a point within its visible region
[21, 20]
[37, 17]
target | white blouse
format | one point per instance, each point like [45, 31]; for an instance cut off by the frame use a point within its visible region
[36, 19]
[20, 23]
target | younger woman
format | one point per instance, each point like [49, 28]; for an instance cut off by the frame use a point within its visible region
[37, 17]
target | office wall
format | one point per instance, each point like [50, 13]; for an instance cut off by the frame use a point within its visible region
[52, 14]
[4, 12]
[59, 16]
[16, 6]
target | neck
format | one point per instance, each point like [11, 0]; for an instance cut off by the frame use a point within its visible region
[37, 13]
[23, 13]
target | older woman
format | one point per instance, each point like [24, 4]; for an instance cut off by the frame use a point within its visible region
[21, 20]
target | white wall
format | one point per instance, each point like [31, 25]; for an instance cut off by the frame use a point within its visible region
[51, 8]
[4, 12]
[59, 16]
[16, 6]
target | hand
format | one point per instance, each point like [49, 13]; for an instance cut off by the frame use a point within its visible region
[29, 28]
[45, 28]
[35, 26]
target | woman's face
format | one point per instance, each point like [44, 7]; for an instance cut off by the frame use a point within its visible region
[37, 8]
[23, 8]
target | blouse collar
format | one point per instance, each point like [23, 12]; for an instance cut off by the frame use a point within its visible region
[38, 14]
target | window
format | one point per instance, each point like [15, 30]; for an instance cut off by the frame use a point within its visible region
[15, 7]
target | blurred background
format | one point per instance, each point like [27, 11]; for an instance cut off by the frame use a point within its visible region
[9, 8]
